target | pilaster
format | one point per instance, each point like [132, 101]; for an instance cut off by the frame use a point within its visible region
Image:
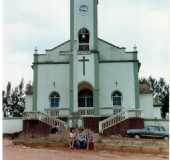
[136, 81]
[35, 82]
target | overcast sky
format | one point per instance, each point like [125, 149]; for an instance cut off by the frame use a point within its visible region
[45, 24]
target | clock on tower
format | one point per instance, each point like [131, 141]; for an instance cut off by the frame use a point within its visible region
[83, 24]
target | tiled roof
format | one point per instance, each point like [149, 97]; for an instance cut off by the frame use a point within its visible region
[145, 88]
[29, 89]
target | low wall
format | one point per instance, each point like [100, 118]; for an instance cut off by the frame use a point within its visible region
[157, 122]
[12, 125]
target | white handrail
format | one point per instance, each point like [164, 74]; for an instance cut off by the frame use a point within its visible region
[44, 118]
[117, 118]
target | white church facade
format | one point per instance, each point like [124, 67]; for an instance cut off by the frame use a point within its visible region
[88, 77]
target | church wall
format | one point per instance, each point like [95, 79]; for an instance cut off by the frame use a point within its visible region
[52, 78]
[89, 70]
[114, 53]
[54, 55]
[157, 112]
[146, 104]
[124, 75]
[28, 103]
[12, 125]
[106, 111]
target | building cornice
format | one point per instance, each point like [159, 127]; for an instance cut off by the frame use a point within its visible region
[45, 63]
[118, 61]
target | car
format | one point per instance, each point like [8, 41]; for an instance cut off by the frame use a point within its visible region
[149, 131]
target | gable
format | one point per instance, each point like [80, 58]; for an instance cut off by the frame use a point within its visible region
[55, 55]
[107, 52]
[110, 52]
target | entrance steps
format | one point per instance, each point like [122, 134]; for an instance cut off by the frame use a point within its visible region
[41, 123]
[123, 117]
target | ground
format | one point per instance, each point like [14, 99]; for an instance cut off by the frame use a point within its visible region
[19, 152]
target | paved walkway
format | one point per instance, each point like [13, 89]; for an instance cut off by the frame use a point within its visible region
[12, 152]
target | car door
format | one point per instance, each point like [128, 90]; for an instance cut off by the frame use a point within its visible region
[157, 131]
[163, 131]
[146, 132]
[151, 131]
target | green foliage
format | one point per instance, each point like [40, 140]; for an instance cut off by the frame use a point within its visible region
[13, 100]
[8, 89]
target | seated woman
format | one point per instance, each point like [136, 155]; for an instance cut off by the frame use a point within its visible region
[90, 140]
[81, 140]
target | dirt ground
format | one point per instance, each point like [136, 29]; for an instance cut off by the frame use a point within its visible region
[12, 152]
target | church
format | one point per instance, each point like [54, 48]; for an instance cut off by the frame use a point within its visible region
[87, 81]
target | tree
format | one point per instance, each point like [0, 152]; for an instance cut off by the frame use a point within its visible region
[14, 101]
[161, 90]
[8, 89]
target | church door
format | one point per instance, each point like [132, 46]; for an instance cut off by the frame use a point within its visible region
[85, 98]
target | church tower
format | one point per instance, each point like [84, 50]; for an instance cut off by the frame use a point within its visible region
[83, 24]
[83, 35]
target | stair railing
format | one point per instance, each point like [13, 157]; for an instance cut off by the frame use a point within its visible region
[112, 120]
[119, 117]
[44, 118]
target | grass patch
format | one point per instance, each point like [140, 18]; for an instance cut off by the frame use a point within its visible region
[61, 138]
[42, 140]
[124, 141]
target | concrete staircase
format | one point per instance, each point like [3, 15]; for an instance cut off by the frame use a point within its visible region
[40, 122]
[118, 118]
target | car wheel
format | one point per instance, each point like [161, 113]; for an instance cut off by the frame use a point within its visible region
[166, 138]
[137, 136]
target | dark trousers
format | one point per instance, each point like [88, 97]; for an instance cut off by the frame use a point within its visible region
[80, 144]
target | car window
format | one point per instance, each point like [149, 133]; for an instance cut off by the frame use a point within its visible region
[153, 128]
[162, 129]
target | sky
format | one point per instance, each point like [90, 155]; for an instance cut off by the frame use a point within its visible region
[45, 24]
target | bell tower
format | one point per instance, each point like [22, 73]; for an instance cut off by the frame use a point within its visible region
[83, 24]
[84, 59]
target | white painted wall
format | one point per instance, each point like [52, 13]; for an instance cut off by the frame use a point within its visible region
[89, 70]
[12, 125]
[47, 75]
[106, 112]
[28, 103]
[123, 74]
[146, 104]
[157, 112]
[111, 52]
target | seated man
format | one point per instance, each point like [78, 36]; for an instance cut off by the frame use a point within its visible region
[81, 140]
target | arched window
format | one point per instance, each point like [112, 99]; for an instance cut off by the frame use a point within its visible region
[117, 98]
[85, 98]
[83, 39]
[54, 99]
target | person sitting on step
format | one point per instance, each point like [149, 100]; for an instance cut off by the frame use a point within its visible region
[72, 135]
[81, 140]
